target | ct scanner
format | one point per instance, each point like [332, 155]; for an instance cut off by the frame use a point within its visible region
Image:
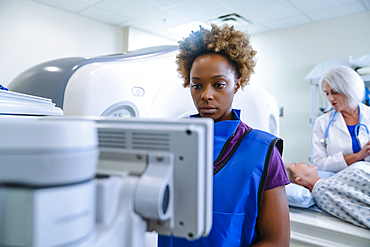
[142, 83]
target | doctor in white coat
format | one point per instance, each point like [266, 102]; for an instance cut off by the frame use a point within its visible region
[341, 136]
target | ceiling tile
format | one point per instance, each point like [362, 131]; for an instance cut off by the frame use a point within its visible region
[288, 22]
[316, 5]
[201, 10]
[102, 15]
[166, 3]
[270, 12]
[90, 2]
[127, 8]
[67, 5]
[337, 12]
[134, 23]
[164, 19]
[265, 15]
[253, 29]
[237, 4]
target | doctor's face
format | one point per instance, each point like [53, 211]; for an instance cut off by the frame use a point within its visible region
[337, 100]
[213, 83]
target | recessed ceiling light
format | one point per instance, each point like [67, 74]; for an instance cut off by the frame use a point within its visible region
[185, 29]
[233, 19]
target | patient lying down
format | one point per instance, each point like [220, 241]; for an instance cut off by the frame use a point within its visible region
[345, 195]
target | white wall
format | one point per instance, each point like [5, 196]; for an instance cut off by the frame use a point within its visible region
[138, 39]
[32, 33]
[286, 56]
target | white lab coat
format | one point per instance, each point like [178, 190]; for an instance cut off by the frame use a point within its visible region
[339, 142]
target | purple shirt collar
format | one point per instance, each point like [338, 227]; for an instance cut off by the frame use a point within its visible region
[223, 130]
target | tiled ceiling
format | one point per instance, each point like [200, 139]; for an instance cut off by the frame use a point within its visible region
[156, 16]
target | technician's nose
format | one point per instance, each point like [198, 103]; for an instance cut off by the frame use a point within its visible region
[207, 93]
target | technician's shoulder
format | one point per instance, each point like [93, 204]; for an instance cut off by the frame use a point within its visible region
[257, 135]
[261, 135]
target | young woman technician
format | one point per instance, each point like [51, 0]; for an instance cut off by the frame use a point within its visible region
[250, 207]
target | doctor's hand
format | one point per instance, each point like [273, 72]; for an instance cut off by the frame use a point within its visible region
[362, 154]
[365, 151]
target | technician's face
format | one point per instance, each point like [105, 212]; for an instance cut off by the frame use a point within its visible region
[212, 86]
[337, 100]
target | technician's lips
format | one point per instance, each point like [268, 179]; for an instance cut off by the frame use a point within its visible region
[207, 109]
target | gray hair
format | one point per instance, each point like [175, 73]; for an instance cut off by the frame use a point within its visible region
[344, 80]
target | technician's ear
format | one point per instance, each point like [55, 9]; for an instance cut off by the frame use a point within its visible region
[237, 85]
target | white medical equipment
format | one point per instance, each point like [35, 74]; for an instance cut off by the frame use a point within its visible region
[361, 140]
[146, 179]
[143, 83]
[18, 104]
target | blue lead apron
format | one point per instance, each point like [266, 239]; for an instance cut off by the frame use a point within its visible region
[241, 167]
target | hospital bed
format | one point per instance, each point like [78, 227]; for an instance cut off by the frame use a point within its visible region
[314, 227]
[311, 226]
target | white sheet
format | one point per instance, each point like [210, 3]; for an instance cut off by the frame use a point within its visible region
[346, 194]
[313, 227]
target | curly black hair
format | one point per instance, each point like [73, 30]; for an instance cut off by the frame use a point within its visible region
[233, 44]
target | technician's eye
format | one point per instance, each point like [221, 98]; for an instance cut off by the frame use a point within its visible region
[195, 86]
[219, 85]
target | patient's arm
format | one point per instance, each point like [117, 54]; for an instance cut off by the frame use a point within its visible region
[273, 219]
